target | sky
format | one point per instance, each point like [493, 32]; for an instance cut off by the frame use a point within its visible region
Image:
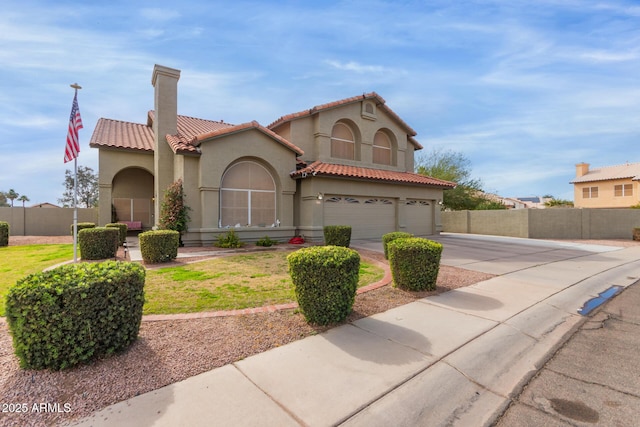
[523, 89]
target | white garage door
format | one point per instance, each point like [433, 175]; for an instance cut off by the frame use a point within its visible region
[419, 214]
[368, 217]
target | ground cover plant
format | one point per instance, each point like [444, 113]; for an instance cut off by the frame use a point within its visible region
[226, 283]
[19, 261]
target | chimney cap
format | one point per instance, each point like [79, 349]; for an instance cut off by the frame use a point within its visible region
[165, 71]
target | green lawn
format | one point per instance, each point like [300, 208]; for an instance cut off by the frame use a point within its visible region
[19, 261]
[235, 282]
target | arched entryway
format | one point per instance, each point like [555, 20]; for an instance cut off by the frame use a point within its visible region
[132, 196]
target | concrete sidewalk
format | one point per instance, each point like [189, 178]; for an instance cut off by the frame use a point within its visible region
[458, 358]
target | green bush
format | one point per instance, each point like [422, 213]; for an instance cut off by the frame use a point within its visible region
[4, 233]
[122, 229]
[229, 240]
[98, 242]
[82, 226]
[75, 313]
[337, 235]
[390, 237]
[414, 263]
[325, 279]
[159, 245]
[266, 241]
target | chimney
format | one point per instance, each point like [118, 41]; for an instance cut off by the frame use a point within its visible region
[165, 83]
[582, 169]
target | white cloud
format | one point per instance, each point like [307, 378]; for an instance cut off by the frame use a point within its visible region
[356, 67]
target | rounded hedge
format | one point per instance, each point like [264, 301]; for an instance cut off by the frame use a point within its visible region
[159, 245]
[4, 233]
[337, 235]
[82, 226]
[98, 242]
[75, 313]
[325, 279]
[122, 228]
[414, 263]
[390, 237]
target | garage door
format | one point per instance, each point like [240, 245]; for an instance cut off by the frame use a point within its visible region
[419, 214]
[368, 217]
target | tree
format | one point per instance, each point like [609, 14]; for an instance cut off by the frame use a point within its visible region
[3, 200]
[11, 195]
[454, 166]
[87, 188]
[23, 199]
[174, 214]
[553, 203]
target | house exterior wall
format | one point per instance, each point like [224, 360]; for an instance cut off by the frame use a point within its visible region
[313, 135]
[606, 194]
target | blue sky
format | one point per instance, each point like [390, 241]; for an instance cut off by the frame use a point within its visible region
[524, 89]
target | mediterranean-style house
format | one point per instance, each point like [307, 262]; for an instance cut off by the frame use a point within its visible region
[606, 187]
[348, 162]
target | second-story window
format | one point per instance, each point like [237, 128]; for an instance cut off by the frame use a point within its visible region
[590, 192]
[623, 190]
[343, 142]
[381, 149]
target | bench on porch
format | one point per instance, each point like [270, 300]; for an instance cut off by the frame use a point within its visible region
[132, 225]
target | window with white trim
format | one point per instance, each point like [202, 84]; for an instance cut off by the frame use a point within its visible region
[247, 196]
[381, 149]
[343, 142]
[623, 190]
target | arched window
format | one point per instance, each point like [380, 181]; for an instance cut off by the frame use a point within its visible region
[382, 149]
[247, 196]
[343, 143]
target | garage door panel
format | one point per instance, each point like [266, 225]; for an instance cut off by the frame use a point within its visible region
[419, 217]
[368, 217]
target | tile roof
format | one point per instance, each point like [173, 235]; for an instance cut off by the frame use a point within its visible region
[328, 169]
[125, 135]
[628, 170]
[381, 103]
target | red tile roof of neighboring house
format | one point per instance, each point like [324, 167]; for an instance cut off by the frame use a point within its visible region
[328, 169]
[628, 170]
[381, 103]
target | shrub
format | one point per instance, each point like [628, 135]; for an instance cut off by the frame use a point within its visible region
[174, 214]
[266, 242]
[98, 242]
[325, 279]
[337, 235]
[636, 233]
[414, 263]
[122, 229]
[82, 226]
[229, 240]
[390, 237]
[75, 313]
[159, 245]
[4, 233]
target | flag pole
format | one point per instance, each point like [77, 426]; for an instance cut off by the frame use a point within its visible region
[75, 194]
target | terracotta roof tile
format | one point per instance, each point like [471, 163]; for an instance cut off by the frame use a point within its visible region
[629, 170]
[372, 95]
[328, 169]
[118, 134]
[198, 139]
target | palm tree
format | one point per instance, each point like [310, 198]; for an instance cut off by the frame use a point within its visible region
[12, 195]
[23, 199]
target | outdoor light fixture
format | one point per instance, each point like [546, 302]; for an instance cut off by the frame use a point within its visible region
[320, 196]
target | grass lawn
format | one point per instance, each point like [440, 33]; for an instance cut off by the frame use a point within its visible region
[19, 261]
[235, 282]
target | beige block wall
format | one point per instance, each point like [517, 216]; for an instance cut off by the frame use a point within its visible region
[44, 221]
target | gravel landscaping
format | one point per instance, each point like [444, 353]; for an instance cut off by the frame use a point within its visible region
[171, 350]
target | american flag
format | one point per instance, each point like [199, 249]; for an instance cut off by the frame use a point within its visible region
[72, 148]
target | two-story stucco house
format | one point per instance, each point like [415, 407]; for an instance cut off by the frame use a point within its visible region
[348, 162]
[606, 187]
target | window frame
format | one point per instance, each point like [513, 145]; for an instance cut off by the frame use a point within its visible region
[249, 192]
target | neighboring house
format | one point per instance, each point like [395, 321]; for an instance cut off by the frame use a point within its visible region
[45, 205]
[606, 187]
[347, 162]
